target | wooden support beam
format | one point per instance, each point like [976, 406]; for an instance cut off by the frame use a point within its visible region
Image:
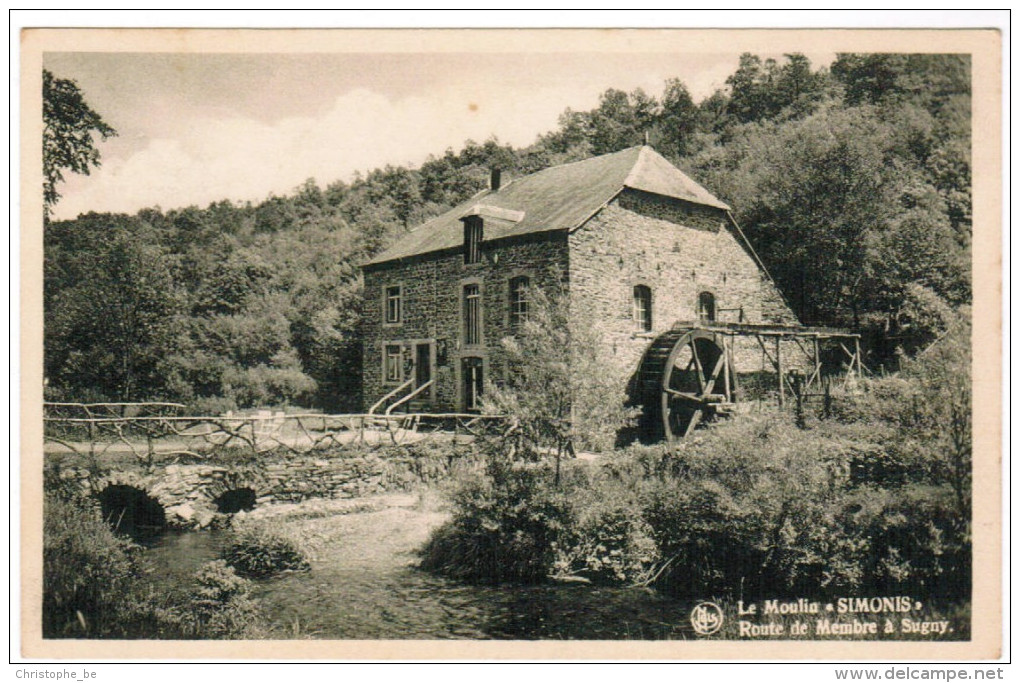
[735, 388]
[683, 395]
[816, 368]
[695, 419]
[765, 352]
[726, 368]
[779, 369]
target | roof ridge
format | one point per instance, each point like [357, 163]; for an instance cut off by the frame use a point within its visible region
[586, 159]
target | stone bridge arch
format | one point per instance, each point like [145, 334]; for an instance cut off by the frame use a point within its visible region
[191, 496]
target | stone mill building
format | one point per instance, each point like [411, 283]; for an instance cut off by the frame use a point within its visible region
[638, 244]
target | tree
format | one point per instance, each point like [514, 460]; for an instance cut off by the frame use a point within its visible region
[112, 308]
[941, 413]
[680, 118]
[930, 80]
[559, 391]
[744, 97]
[69, 124]
[761, 90]
[620, 120]
[796, 86]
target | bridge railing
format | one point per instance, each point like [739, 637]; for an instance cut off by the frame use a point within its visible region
[148, 436]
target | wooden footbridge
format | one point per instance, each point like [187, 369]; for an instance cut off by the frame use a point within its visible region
[151, 431]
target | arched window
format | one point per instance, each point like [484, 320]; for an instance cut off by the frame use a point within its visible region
[643, 308]
[706, 307]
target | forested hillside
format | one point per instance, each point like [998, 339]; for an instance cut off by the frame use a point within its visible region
[852, 182]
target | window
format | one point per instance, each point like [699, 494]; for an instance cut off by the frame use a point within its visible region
[643, 308]
[519, 301]
[706, 307]
[393, 363]
[394, 305]
[472, 315]
[472, 239]
[471, 370]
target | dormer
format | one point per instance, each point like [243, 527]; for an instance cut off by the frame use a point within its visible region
[474, 227]
[473, 233]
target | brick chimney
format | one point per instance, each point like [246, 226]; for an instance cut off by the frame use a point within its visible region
[495, 175]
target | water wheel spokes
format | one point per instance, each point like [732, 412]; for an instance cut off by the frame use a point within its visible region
[695, 366]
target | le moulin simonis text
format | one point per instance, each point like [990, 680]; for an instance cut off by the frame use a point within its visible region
[900, 604]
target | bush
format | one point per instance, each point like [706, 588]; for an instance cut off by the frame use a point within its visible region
[922, 418]
[505, 527]
[87, 571]
[258, 552]
[873, 502]
[514, 524]
[221, 604]
[764, 508]
[94, 586]
[559, 392]
[916, 543]
[610, 543]
[739, 520]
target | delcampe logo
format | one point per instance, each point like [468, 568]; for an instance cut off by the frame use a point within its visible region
[706, 618]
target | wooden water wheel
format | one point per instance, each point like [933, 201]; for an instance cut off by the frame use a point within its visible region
[688, 376]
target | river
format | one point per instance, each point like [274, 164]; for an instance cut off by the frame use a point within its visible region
[363, 584]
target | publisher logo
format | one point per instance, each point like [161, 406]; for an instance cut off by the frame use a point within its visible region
[706, 618]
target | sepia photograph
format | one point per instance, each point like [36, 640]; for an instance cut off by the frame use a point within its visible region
[660, 338]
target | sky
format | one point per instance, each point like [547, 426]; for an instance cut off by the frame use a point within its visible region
[198, 128]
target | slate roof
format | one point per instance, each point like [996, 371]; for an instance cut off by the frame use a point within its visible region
[557, 198]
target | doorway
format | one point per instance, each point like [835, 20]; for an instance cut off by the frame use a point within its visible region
[422, 364]
[471, 372]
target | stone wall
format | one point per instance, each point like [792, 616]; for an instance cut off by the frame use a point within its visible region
[188, 492]
[678, 251]
[432, 309]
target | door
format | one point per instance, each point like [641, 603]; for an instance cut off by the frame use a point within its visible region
[422, 364]
[471, 372]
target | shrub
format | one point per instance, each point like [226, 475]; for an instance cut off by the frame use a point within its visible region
[505, 527]
[740, 519]
[94, 586]
[922, 417]
[766, 509]
[87, 571]
[559, 393]
[258, 552]
[610, 543]
[873, 502]
[60, 485]
[916, 542]
[221, 605]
